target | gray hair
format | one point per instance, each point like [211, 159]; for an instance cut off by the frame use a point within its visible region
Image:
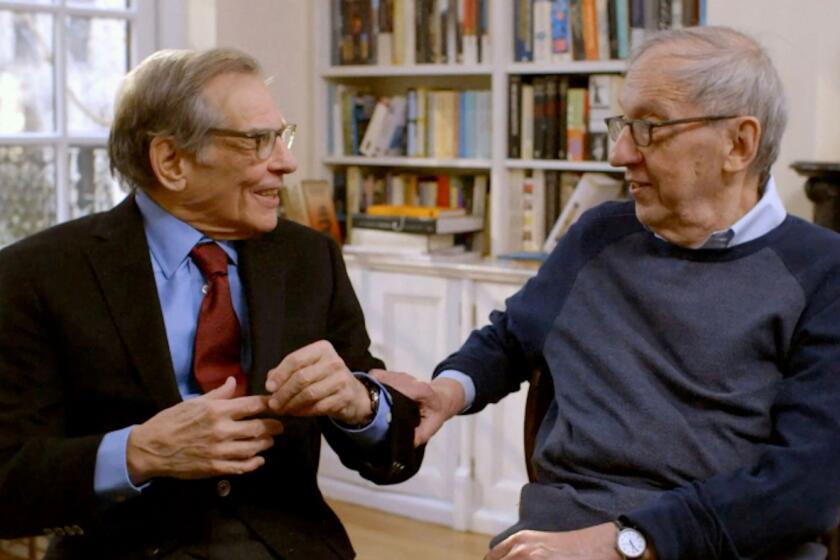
[162, 96]
[728, 73]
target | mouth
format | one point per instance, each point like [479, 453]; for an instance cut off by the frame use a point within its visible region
[635, 186]
[268, 197]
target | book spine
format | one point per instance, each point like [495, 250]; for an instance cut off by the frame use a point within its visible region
[522, 31]
[576, 23]
[622, 25]
[514, 120]
[590, 30]
[560, 39]
[393, 223]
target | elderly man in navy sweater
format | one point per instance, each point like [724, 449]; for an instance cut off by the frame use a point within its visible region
[692, 335]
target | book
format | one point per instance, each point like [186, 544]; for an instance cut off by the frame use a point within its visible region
[514, 118]
[454, 224]
[414, 211]
[320, 207]
[561, 44]
[592, 190]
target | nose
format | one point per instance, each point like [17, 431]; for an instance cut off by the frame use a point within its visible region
[624, 151]
[281, 159]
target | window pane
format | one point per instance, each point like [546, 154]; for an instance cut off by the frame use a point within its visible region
[92, 189]
[94, 72]
[26, 72]
[110, 4]
[27, 198]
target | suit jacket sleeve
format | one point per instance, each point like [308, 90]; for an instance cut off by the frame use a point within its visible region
[41, 466]
[395, 458]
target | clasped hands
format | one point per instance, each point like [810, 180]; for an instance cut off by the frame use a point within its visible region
[218, 434]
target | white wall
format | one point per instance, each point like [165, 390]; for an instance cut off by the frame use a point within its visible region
[278, 33]
[801, 35]
[802, 38]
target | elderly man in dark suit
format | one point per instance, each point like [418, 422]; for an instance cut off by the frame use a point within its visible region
[167, 368]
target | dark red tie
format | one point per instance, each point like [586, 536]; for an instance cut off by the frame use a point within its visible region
[217, 336]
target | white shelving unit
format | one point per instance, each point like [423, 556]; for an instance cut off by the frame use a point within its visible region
[496, 72]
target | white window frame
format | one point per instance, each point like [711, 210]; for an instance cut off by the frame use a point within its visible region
[153, 24]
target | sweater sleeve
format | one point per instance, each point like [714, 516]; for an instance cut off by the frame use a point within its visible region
[501, 355]
[792, 493]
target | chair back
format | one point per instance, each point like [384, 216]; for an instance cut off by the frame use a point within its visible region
[540, 393]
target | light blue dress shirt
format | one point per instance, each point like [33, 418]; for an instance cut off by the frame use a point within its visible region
[179, 284]
[764, 217]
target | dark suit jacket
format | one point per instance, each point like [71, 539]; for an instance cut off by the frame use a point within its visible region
[83, 351]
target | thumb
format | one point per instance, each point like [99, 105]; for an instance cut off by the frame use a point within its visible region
[224, 391]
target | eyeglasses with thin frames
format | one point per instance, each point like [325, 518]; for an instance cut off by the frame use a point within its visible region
[642, 129]
[264, 139]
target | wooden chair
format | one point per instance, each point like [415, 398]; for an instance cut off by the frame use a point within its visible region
[540, 393]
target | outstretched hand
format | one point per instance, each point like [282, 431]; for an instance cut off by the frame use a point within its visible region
[438, 401]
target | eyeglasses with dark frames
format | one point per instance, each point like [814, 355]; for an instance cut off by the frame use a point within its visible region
[264, 139]
[642, 129]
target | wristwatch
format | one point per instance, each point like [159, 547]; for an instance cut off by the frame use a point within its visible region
[630, 542]
[373, 393]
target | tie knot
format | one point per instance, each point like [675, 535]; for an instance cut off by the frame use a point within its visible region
[210, 259]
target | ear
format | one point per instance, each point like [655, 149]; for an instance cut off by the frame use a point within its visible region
[168, 163]
[743, 144]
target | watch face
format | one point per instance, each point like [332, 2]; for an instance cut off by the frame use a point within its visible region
[631, 543]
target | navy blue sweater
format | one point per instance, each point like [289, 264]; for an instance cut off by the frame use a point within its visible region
[697, 392]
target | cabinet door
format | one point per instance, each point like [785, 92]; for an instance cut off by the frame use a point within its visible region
[497, 438]
[413, 322]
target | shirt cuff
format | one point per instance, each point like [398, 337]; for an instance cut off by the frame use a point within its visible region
[374, 432]
[465, 381]
[110, 479]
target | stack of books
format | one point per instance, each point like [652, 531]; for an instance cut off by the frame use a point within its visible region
[418, 232]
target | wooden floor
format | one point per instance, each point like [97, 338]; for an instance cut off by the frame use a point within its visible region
[382, 536]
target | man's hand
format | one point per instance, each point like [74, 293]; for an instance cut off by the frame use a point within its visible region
[439, 400]
[314, 381]
[211, 435]
[592, 543]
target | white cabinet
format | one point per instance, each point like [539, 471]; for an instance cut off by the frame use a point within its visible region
[474, 467]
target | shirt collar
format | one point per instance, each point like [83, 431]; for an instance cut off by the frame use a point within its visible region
[764, 217]
[170, 239]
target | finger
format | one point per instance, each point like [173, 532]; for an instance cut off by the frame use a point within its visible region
[224, 391]
[429, 425]
[329, 406]
[311, 394]
[244, 407]
[298, 382]
[500, 550]
[240, 450]
[221, 467]
[253, 429]
[300, 358]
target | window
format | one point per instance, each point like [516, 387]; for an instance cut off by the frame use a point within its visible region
[61, 62]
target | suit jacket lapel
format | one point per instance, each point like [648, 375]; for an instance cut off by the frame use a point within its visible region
[121, 261]
[264, 278]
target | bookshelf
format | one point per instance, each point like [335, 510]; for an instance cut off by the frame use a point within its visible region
[492, 74]
[419, 312]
